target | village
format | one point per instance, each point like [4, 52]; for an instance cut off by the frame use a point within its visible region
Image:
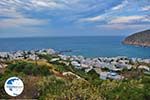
[106, 67]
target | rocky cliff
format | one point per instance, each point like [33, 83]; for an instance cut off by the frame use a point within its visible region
[140, 38]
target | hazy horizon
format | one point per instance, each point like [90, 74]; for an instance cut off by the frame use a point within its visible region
[63, 36]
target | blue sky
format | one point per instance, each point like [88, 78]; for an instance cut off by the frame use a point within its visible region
[29, 18]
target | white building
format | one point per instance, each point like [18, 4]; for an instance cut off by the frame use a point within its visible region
[144, 67]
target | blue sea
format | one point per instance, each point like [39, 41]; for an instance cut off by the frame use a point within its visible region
[90, 46]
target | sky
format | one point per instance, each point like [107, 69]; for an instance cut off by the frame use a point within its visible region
[36, 18]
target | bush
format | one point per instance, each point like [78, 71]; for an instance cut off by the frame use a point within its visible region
[29, 68]
[146, 82]
[61, 89]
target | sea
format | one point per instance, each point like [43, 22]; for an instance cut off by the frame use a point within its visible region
[88, 46]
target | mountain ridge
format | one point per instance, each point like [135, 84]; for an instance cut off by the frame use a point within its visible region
[140, 38]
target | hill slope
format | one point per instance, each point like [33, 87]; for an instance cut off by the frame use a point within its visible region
[140, 38]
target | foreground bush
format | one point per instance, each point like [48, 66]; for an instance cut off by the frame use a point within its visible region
[29, 69]
[62, 89]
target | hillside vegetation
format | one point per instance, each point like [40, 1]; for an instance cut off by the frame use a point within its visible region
[140, 38]
[46, 81]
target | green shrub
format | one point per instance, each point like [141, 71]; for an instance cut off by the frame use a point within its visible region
[29, 68]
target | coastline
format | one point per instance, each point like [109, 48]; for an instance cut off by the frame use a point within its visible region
[140, 38]
[136, 44]
[98, 46]
[106, 67]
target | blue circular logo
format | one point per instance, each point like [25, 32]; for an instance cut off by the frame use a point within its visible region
[14, 86]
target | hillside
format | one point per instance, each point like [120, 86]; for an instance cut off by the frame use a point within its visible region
[55, 77]
[56, 81]
[140, 38]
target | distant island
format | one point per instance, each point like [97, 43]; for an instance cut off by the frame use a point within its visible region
[140, 39]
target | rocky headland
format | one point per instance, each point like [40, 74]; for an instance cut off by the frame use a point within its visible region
[139, 38]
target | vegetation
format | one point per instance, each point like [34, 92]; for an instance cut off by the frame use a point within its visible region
[46, 56]
[140, 38]
[29, 68]
[61, 89]
[42, 82]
